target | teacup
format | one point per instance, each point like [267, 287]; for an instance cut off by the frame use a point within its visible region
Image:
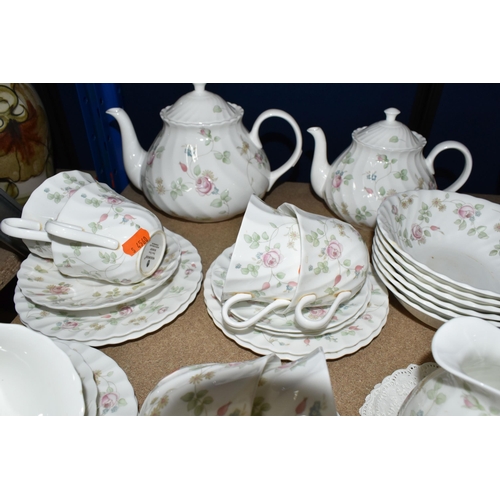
[265, 262]
[44, 204]
[100, 234]
[333, 267]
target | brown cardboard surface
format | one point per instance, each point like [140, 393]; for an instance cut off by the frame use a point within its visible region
[192, 338]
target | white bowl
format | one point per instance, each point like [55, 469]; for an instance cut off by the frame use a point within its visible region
[448, 302]
[427, 281]
[37, 378]
[450, 236]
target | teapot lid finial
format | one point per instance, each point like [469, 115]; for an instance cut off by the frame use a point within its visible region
[390, 114]
[199, 87]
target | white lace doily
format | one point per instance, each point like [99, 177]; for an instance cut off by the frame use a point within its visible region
[387, 397]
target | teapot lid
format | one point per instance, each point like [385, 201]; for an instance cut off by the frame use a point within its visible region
[201, 107]
[389, 134]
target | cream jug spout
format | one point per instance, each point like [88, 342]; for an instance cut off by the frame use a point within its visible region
[320, 165]
[134, 157]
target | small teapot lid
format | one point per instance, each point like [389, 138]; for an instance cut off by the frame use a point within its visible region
[389, 134]
[201, 107]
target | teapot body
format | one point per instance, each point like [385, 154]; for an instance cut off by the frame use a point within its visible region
[362, 177]
[204, 173]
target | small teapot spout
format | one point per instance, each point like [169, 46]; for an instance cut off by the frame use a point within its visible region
[320, 165]
[134, 156]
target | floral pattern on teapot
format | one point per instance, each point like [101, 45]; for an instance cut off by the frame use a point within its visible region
[205, 181]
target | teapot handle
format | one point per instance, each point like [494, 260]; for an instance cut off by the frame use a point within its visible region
[467, 167]
[254, 135]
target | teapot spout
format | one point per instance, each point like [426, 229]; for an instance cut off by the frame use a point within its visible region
[134, 156]
[320, 165]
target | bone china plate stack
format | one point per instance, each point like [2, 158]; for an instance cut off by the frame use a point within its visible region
[98, 313]
[439, 253]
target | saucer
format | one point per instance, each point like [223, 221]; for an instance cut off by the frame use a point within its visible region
[283, 323]
[89, 386]
[335, 345]
[42, 283]
[119, 323]
[115, 393]
[387, 397]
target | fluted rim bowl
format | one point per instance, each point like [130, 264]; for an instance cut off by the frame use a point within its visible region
[453, 237]
[37, 378]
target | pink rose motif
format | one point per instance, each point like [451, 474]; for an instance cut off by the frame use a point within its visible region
[151, 159]
[334, 250]
[125, 311]
[307, 341]
[417, 232]
[204, 185]
[109, 400]
[112, 200]
[259, 158]
[337, 181]
[203, 132]
[394, 210]
[59, 289]
[103, 218]
[162, 310]
[467, 403]
[271, 258]
[316, 313]
[265, 285]
[183, 166]
[72, 192]
[434, 228]
[466, 211]
[367, 317]
[69, 325]
[369, 191]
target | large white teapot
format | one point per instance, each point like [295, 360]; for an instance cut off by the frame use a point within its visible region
[204, 165]
[383, 159]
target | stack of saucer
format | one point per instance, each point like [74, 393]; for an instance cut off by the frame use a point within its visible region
[102, 269]
[354, 324]
[97, 313]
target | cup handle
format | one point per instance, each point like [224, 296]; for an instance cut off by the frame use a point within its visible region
[24, 228]
[308, 324]
[76, 233]
[254, 135]
[240, 297]
[467, 166]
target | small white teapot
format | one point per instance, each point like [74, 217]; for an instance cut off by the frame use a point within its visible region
[204, 165]
[383, 159]
[468, 381]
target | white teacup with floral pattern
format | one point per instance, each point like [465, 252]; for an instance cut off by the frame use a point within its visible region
[44, 204]
[265, 263]
[100, 234]
[333, 267]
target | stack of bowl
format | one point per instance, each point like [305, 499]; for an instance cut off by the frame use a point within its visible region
[294, 281]
[41, 376]
[102, 269]
[439, 253]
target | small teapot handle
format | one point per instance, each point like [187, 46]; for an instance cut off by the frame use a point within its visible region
[254, 136]
[467, 167]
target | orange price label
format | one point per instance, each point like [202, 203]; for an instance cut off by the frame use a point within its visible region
[136, 242]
